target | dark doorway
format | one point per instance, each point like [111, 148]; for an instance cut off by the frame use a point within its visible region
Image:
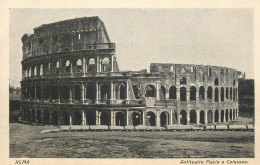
[164, 117]
[151, 117]
[104, 117]
[202, 117]
[183, 119]
[46, 117]
[65, 118]
[120, 119]
[136, 118]
[55, 117]
[91, 118]
[216, 116]
[193, 117]
[77, 118]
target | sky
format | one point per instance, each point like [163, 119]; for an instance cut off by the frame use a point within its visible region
[218, 37]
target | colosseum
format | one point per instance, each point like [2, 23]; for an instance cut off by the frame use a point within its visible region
[70, 76]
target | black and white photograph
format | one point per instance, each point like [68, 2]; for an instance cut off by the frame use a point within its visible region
[132, 83]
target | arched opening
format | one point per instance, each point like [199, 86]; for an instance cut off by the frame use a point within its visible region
[174, 118]
[55, 117]
[41, 69]
[120, 119]
[216, 95]
[65, 118]
[210, 116]
[32, 115]
[90, 118]
[28, 115]
[222, 115]
[32, 90]
[39, 116]
[55, 92]
[162, 93]
[226, 115]
[77, 92]
[92, 65]
[104, 90]
[172, 92]
[230, 114]
[216, 81]
[91, 92]
[164, 118]
[202, 93]
[57, 67]
[46, 117]
[79, 66]
[193, 118]
[136, 118]
[183, 117]
[151, 118]
[202, 117]
[234, 114]
[227, 93]
[230, 97]
[209, 93]
[47, 92]
[234, 94]
[120, 92]
[67, 66]
[183, 80]
[104, 117]
[65, 92]
[193, 93]
[77, 118]
[136, 90]
[216, 115]
[222, 94]
[105, 65]
[38, 92]
[150, 91]
[183, 94]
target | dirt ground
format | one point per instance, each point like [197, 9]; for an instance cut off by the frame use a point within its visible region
[26, 141]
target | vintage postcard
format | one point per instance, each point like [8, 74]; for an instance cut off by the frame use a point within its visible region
[131, 84]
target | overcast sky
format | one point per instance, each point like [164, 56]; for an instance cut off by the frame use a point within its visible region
[220, 37]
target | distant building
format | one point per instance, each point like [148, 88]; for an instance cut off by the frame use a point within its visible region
[71, 77]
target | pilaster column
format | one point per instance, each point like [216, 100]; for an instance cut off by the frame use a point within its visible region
[98, 63]
[112, 91]
[178, 94]
[224, 116]
[127, 90]
[219, 116]
[178, 117]
[127, 117]
[97, 117]
[111, 117]
[83, 93]
[187, 94]
[84, 66]
[97, 93]
[206, 116]
[112, 63]
[83, 118]
[198, 116]
[167, 94]
[144, 123]
[71, 93]
[157, 118]
[99, 120]
[70, 119]
[213, 94]
[188, 117]
[213, 117]
[157, 91]
[170, 117]
[206, 94]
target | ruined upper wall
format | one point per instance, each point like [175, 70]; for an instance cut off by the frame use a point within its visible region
[197, 73]
[75, 34]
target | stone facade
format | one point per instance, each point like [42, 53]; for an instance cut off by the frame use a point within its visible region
[71, 77]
